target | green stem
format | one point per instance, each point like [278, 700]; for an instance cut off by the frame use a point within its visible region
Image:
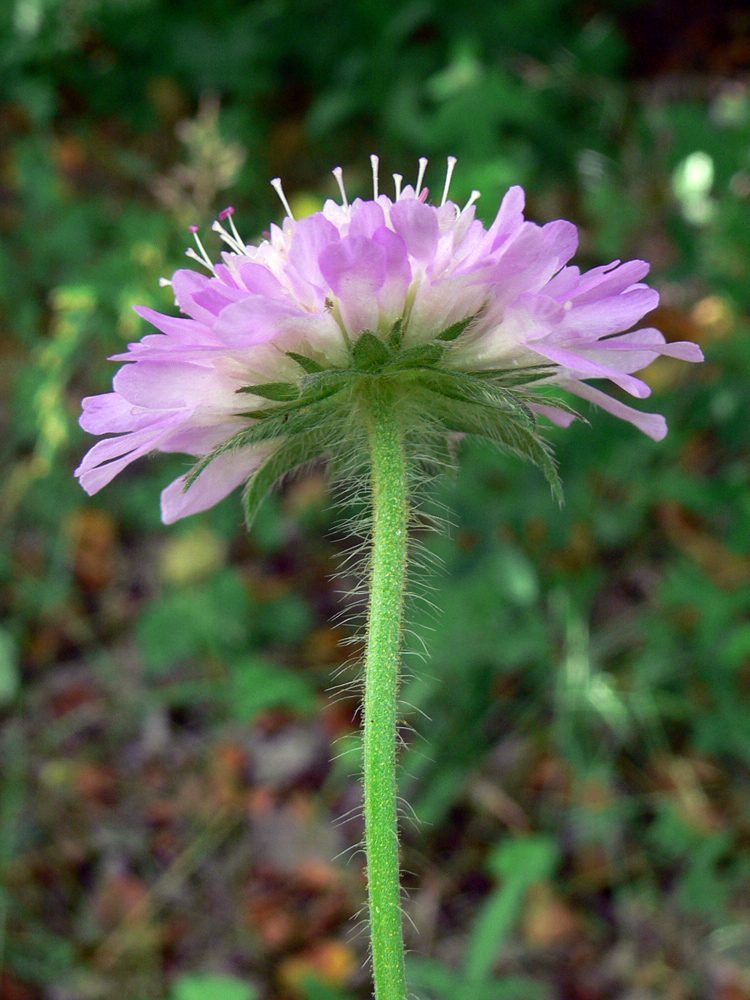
[387, 585]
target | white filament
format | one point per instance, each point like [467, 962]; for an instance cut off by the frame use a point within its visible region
[236, 235]
[474, 195]
[203, 259]
[276, 185]
[397, 178]
[375, 163]
[338, 173]
[448, 175]
[234, 244]
[420, 176]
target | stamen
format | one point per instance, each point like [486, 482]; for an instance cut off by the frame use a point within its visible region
[276, 185]
[233, 243]
[375, 163]
[452, 161]
[163, 282]
[424, 194]
[397, 178]
[203, 259]
[420, 176]
[338, 173]
[472, 199]
[228, 213]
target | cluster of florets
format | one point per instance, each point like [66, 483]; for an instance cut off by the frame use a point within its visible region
[478, 321]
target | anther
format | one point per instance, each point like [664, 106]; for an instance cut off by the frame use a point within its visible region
[397, 178]
[452, 161]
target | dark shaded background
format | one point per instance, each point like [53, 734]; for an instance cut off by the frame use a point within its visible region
[178, 810]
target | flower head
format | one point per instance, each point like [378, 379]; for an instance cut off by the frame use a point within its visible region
[472, 321]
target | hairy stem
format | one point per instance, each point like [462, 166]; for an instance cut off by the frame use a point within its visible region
[387, 585]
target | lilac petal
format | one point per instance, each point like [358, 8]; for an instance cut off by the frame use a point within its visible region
[392, 296]
[611, 315]
[525, 262]
[108, 458]
[652, 424]
[226, 275]
[439, 304]
[630, 352]
[186, 331]
[254, 320]
[583, 366]
[417, 225]
[355, 268]
[560, 242]
[561, 286]
[559, 417]
[194, 439]
[311, 237]
[602, 282]
[367, 217]
[509, 217]
[109, 413]
[173, 385]
[468, 232]
[217, 297]
[186, 284]
[225, 473]
[258, 280]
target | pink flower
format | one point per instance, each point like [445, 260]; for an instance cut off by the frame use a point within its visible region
[316, 285]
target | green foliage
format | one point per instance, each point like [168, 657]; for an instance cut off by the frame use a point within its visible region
[519, 864]
[210, 619]
[258, 685]
[9, 663]
[207, 987]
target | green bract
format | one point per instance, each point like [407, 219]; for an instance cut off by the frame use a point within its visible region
[320, 415]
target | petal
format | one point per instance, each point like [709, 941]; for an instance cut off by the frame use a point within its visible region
[217, 297]
[417, 225]
[254, 320]
[186, 283]
[355, 268]
[108, 458]
[613, 314]
[224, 474]
[186, 331]
[611, 279]
[170, 385]
[509, 216]
[652, 424]
[583, 366]
[560, 242]
[311, 236]
[392, 296]
[109, 413]
[559, 417]
[367, 216]
[258, 280]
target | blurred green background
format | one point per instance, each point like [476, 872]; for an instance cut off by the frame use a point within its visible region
[178, 809]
